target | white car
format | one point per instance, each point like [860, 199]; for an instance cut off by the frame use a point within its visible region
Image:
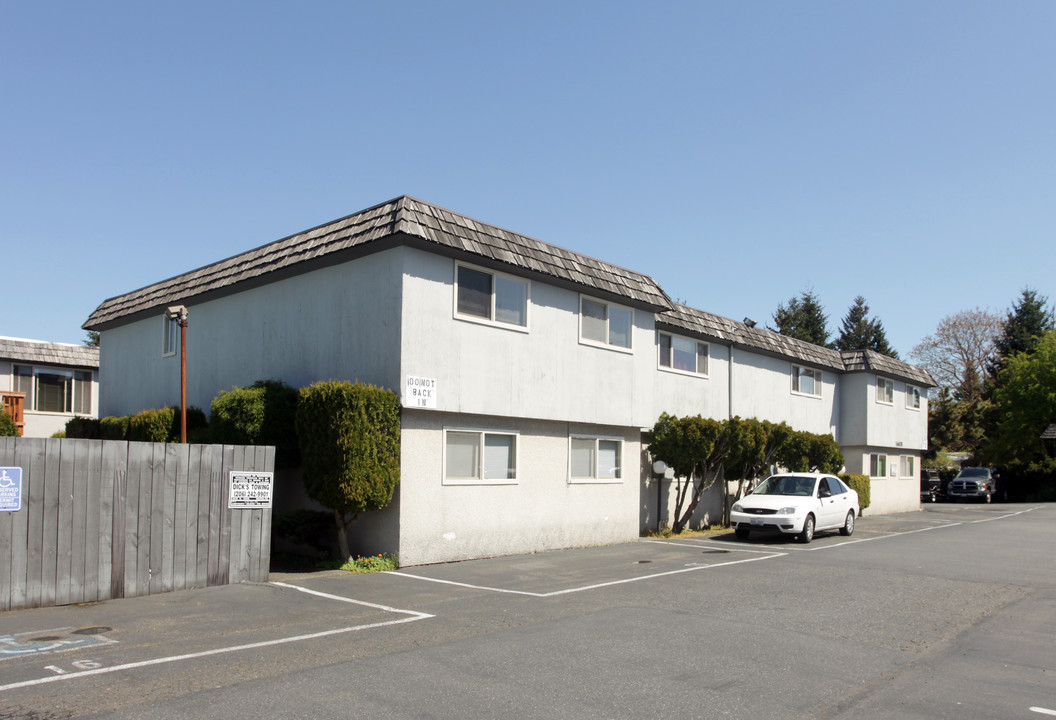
[796, 504]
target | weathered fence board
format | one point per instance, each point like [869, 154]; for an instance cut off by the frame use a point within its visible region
[109, 519]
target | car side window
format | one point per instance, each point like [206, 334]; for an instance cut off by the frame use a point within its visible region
[823, 488]
[836, 486]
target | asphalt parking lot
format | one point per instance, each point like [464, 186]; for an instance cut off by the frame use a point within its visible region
[947, 612]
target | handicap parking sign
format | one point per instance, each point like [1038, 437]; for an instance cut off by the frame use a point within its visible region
[10, 489]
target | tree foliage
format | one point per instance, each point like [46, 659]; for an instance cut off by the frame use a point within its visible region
[1026, 400]
[958, 352]
[1025, 323]
[803, 318]
[261, 414]
[694, 447]
[860, 332]
[7, 425]
[349, 436]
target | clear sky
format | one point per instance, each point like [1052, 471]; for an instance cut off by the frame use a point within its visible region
[737, 152]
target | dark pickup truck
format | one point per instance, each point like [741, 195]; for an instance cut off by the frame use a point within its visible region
[973, 483]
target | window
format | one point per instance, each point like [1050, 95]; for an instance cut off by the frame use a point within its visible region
[885, 391]
[908, 469]
[605, 324]
[682, 354]
[912, 397]
[54, 390]
[806, 381]
[492, 297]
[172, 331]
[595, 459]
[877, 465]
[479, 456]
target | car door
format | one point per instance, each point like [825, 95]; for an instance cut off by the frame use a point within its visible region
[833, 504]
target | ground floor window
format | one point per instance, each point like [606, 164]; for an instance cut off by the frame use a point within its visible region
[479, 456]
[594, 459]
[908, 466]
[877, 465]
[54, 390]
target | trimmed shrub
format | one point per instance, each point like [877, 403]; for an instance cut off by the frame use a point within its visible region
[7, 425]
[860, 484]
[262, 414]
[152, 425]
[114, 428]
[350, 444]
[80, 427]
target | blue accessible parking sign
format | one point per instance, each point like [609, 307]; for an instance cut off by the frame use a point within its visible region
[10, 489]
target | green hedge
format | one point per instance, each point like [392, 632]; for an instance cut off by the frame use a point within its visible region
[114, 428]
[7, 425]
[860, 484]
[83, 427]
[261, 414]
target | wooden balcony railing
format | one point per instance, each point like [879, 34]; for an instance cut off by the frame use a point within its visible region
[14, 404]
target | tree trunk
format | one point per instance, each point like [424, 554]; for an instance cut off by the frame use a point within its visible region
[342, 536]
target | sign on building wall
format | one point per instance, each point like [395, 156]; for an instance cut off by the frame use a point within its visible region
[250, 489]
[10, 489]
[419, 392]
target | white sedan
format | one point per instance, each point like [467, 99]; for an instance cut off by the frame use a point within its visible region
[796, 504]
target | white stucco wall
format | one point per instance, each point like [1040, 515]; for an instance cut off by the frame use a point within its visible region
[762, 388]
[339, 323]
[543, 510]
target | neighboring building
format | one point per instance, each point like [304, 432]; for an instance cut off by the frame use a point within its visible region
[544, 368]
[44, 384]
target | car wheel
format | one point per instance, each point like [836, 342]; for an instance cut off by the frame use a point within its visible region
[808, 530]
[741, 533]
[848, 524]
[987, 498]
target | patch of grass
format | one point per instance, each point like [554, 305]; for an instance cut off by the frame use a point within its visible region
[371, 563]
[665, 532]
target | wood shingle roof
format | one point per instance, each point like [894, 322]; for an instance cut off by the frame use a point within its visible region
[402, 220]
[37, 352]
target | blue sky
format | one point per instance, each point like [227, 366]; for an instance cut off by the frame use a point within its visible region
[738, 152]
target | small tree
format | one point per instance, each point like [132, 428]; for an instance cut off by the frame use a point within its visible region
[349, 436]
[860, 332]
[694, 447]
[752, 447]
[7, 425]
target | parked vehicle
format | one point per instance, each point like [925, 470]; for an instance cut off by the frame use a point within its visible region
[973, 483]
[930, 486]
[796, 504]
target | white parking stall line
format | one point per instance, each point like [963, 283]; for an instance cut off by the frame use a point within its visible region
[1003, 517]
[413, 617]
[1043, 711]
[728, 548]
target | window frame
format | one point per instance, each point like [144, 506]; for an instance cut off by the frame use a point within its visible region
[75, 383]
[797, 372]
[609, 306]
[700, 344]
[912, 397]
[170, 336]
[889, 387]
[482, 434]
[875, 461]
[493, 295]
[596, 454]
[906, 466]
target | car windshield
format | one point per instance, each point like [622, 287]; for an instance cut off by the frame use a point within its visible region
[786, 485]
[974, 473]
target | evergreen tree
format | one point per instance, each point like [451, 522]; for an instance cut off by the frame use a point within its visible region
[1027, 321]
[860, 332]
[804, 319]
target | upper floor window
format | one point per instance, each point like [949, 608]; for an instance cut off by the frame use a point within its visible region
[678, 353]
[912, 397]
[491, 296]
[479, 456]
[604, 323]
[54, 390]
[595, 459]
[806, 381]
[885, 390]
[172, 331]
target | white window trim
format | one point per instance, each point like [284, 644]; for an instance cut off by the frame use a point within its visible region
[605, 345]
[596, 480]
[491, 322]
[481, 480]
[884, 382]
[33, 397]
[170, 336]
[818, 381]
[887, 464]
[902, 461]
[911, 392]
[691, 373]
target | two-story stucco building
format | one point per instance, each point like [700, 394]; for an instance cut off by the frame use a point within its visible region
[542, 368]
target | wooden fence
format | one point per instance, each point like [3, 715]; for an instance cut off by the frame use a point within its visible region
[104, 519]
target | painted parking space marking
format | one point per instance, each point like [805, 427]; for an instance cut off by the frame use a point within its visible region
[412, 616]
[1043, 711]
[55, 640]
